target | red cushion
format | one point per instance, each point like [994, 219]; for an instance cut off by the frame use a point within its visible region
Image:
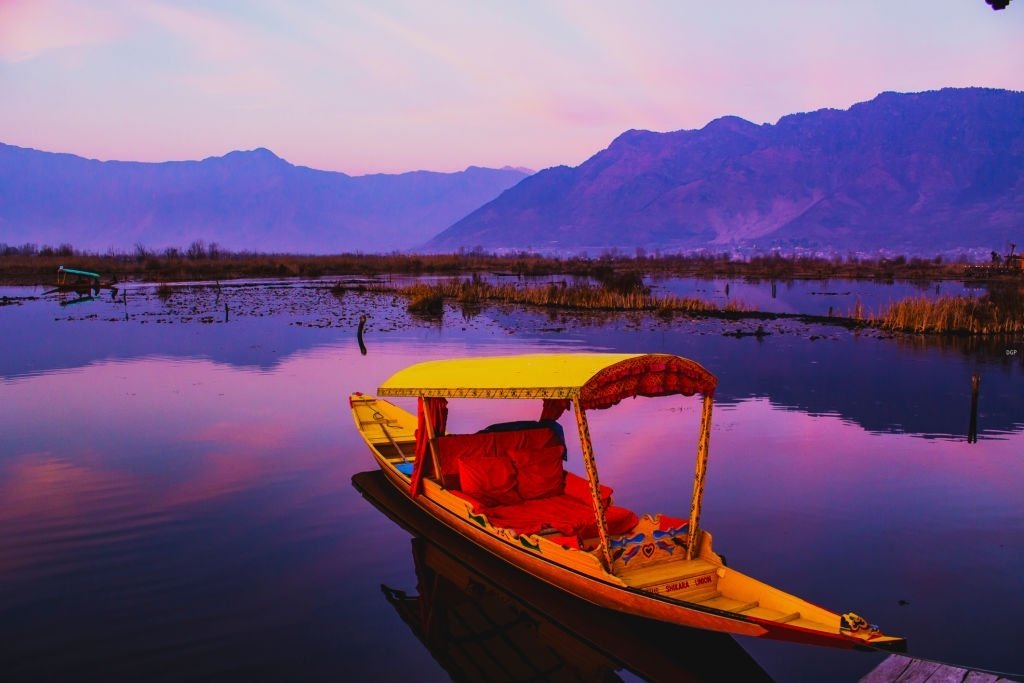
[524, 439]
[569, 542]
[539, 472]
[618, 520]
[474, 504]
[665, 523]
[567, 515]
[563, 513]
[579, 488]
[454, 447]
[491, 480]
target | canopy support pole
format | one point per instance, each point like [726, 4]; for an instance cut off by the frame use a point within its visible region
[432, 443]
[595, 486]
[698, 477]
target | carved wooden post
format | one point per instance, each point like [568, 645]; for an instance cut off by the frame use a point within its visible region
[595, 486]
[698, 477]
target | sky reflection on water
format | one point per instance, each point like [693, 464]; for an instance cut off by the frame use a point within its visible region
[177, 499]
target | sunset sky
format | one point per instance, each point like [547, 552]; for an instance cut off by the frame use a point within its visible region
[391, 86]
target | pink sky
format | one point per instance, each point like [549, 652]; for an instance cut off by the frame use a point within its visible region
[394, 86]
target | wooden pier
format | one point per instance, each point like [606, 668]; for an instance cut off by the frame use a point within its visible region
[902, 669]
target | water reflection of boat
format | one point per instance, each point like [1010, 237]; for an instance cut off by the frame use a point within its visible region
[505, 490]
[482, 619]
[80, 299]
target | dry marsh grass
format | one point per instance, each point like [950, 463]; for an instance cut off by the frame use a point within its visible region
[951, 315]
[554, 295]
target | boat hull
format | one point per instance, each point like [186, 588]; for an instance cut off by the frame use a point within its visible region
[646, 647]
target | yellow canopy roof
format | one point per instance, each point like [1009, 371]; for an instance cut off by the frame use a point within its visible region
[597, 379]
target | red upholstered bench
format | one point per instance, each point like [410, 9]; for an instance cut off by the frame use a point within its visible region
[517, 480]
[452, 448]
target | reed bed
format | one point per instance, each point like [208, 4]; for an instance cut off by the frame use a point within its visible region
[554, 295]
[426, 303]
[951, 315]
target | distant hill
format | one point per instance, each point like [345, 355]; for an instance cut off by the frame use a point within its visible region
[911, 173]
[243, 200]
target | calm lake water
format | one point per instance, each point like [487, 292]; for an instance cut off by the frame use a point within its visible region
[177, 498]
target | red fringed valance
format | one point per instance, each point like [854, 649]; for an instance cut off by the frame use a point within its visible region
[651, 375]
[553, 408]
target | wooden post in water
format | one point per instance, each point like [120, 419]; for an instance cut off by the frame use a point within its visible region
[225, 312]
[359, 334]
[972, 428]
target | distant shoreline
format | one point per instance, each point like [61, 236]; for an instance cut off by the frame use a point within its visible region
[30, 265]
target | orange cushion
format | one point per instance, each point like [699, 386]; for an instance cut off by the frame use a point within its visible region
[539, 472]
[489, 479]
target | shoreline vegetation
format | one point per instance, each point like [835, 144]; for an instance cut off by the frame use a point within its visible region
[34, 264]
[616, 281]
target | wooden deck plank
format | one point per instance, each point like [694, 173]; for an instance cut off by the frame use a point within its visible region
[728, 604]
[979, 677]
[903, 669]
[919, 672]
[889, 670]
[766, 613]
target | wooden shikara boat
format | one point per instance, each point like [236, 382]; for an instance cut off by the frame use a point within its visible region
[82, 282]
[505, 490]
[74, 279]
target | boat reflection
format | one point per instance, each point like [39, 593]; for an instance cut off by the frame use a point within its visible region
[482, 619]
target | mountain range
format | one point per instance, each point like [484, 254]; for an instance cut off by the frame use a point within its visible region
[910, 173]
[913, 173]
[251, 200]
